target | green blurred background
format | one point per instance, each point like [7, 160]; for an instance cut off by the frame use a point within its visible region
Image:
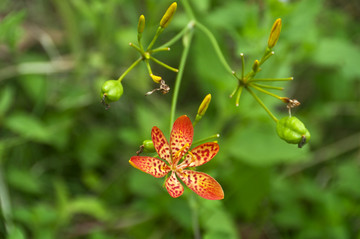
[64, 170]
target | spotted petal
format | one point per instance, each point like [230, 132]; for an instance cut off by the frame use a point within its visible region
[150, 165]
[200, 155]
[161, 144]
[181, 137]
[173, 186]
[202, 184]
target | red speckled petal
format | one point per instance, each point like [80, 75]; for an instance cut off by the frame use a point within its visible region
[150, 165]
[181, 134]
[202, 184]
[161, 144]
[202, 154]
[173, 186]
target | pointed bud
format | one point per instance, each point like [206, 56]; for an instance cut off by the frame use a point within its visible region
[141, 24]
[166, 19]
[293, 131]
[155, 78]
[256, 66]
[275, 33]
[204, 105]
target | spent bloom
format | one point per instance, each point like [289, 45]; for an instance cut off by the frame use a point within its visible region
[171, 154]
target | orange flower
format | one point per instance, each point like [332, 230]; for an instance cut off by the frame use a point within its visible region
[180, 141]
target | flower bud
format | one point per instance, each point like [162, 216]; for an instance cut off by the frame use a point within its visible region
[256, 66]
[166, 19]
[111, 90]
[155, 78]
[141, 24]
[275, 33]
[204, 105]
[148, 146]
[293, 131]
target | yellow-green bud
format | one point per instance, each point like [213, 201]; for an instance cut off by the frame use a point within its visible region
[275, 33]
[293, 131]
[148, 146]
[141, 24]
[166, 19]
[256, 66]
[204, 105]
[111, 91]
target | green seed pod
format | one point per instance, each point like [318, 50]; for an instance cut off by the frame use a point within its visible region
[293, 131]
[111, 91]
[148, 146]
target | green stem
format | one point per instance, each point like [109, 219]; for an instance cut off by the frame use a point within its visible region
[242, 65]
[137, 48]
[265, 91]
[194, 206]
[188, 10]
[139, 41]
[204, 140]
[268, 53]
[158, 32]
[216, 46]
[240, 88]
[183, 59]
[160, 49]
[163, 64]
[148, 66]
[176, 37]
[129, 69]
[262, 104]
[272, 79]
[268, 86]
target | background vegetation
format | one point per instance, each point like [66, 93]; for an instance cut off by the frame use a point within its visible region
[64, 170]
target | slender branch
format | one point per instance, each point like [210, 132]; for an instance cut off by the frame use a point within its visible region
[148, 66]
[207, 139]
[183, 59]
[129, 69]
[136, 48]
[273, 79]
[268, 86]
[240, 88]
[160, 49]
[163, 64]
[174, 39]
[242, 65]
[188, 10]
[262, 104]
[265, 91]
[158, 32]
[216, 46]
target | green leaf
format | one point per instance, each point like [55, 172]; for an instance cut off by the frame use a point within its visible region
[27, 126]
[6, 99]
[340, 54]
[88, 205]
[24, 181]
[16, 233]
[10, 28]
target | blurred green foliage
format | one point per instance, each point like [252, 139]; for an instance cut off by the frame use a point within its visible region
[64, 170]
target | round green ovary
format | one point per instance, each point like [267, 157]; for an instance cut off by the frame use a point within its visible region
[291, 129]
[149, 146]
[112, 89]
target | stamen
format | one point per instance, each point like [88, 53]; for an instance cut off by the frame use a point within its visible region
[180, 150]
